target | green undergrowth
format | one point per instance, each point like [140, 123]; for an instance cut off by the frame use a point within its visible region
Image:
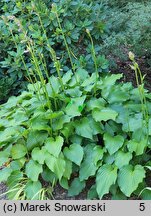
[90, 129]
[116, 27]
[21, 18]
[129, 29]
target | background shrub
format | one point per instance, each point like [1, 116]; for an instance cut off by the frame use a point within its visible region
[75, 17]
[129, 29]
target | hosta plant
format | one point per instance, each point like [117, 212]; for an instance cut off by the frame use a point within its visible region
[79, 127]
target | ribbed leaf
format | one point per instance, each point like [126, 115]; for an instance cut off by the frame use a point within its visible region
[54, 146]
[32, 190]
[105, 177]
[89, 165]
[113, 143]
[76, 187]
[73, 108]
[129, 178]
[38, 155]
[74, 153]
[33, 169]
[104, 114]
[18, 151]
[56, 165]
[122, 158]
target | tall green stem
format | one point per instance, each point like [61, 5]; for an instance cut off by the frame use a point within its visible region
[94, 59]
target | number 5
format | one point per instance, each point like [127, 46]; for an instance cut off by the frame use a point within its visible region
[142, 206]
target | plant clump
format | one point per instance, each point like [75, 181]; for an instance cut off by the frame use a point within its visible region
[85, 135]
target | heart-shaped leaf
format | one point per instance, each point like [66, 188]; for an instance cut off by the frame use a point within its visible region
[113, 143]
[137, 147]
[68, 169]
[76, 187]
[18, 151]
[5, 173]
[56, 165]
[3, 157]
[38, 155]
[104, 114]
[129, 178]
[32, 190]
[33, 169]
[72, 109]
[36, 138]
[54, 146]
[122, 158]
[106, 176]
[74, 153]
[89, 165]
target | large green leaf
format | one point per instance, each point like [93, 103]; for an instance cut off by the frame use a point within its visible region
[95, 103]
[56, 165]
[64, 183]
[109, 81]
[33, 169]
[5, 173]
[4, 157]
[74, 153]
[137, 147]
[49, 176]
[146, 193]
[55, 83]
[118, 95]
[36, 138]
[8, 134]
[113, 144]
[59, 122]
[122, 158]
[67, 77]
[74, 92]
[133, 123]
[53, 146]
[81, 75]
[106, 176]
[74, 107]
[50, 161]
[86, 170]
[76, 187]
[13, 183]
[104, 114]
[68, 130]
[39, 122]
[59, 166]
[87, 127]
[68, 169]
[16, 165]
[18, 151]
[38, 155]
[89, 166]
[32, 190]
[83, 128]
[19, 117]
[92, 193]
[129, 178]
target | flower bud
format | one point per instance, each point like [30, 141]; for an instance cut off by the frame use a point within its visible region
[131, 56]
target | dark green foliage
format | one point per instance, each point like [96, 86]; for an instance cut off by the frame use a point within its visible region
[21, 18]
[129, 29]
[116, 28]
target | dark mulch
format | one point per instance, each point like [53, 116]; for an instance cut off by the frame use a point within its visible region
[2, 190]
